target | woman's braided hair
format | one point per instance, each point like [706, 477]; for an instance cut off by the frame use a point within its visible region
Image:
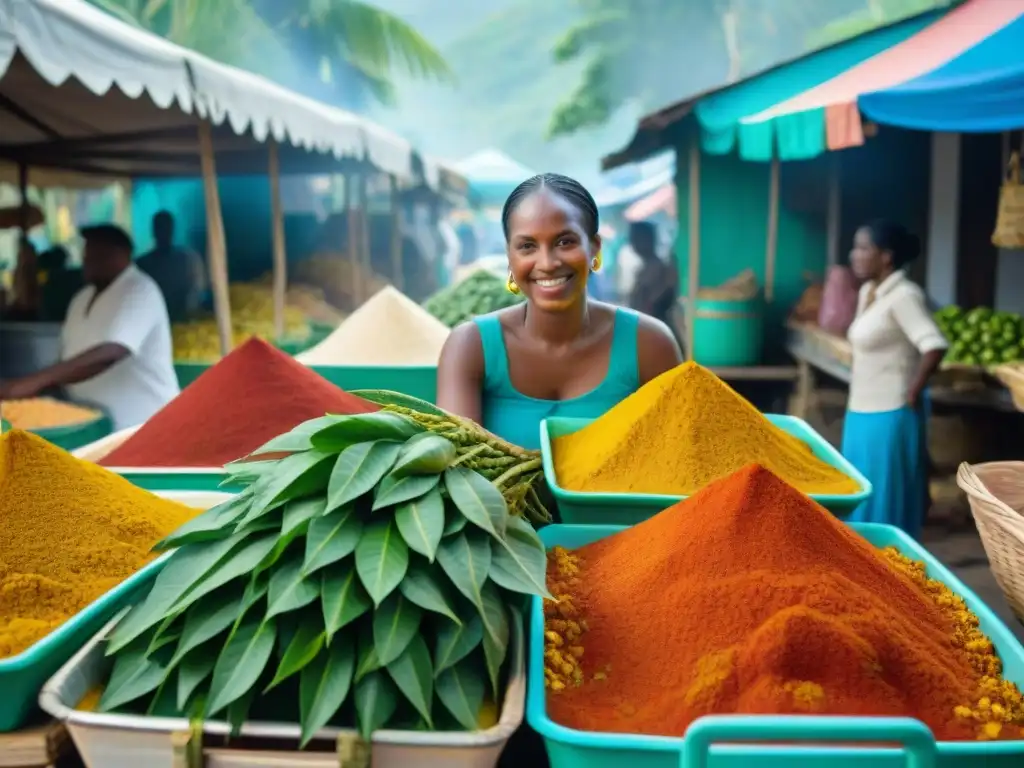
[568, 188]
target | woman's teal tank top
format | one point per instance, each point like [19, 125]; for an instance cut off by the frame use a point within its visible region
[516, 417]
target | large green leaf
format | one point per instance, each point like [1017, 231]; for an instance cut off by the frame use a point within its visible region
[364, 427]
[239, 563]
[358, 469]
[343, 599]
[323, 686]
[185, 567]
[331, 538]
[296, 520]
[390, 397]
[376, 701]
[238, 712]
[367, 660]
[303, 647]
[395, 623]
[455, 642]
[461, 689]
[193, 670]
[477, 499]
[466, 558]
[425, 587]
[298, 438]
[424, 454]
[454, 521]
[215, 523]
[207, 618]
[133, 675]
[421, 522]
[518, 561]
[290, 588]
[394, 490]
[382, 558]
[414, 676]
[295, 476]
[496, 633]
[246, 471]
[242, 661]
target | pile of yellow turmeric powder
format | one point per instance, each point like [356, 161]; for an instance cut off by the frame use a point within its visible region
[69, 532]
[680, 432]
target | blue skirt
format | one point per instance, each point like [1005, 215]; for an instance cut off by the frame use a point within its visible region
[891, 449]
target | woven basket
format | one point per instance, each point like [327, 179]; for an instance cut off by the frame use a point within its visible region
[995, 491]
[1010, 219]
[1012, 377]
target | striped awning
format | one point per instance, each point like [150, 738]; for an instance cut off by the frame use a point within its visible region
[830, 110]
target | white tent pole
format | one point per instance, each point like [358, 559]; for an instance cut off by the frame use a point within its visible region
[277, 234]
[216, 244]
[772, 244]
[693, 281]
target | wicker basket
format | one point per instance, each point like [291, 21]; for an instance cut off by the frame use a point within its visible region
[1013, 377]
[995, 491]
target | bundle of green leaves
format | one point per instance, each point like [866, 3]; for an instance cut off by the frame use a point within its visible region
[368, 576]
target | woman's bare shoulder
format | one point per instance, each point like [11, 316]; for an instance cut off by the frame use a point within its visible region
[657, 348]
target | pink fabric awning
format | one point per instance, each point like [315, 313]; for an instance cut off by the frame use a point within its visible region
[662, 199]
[932, 47]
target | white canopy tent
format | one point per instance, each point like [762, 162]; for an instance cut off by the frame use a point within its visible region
[87, 99]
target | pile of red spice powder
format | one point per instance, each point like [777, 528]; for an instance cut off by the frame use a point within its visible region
[253, 394]
[748, 597]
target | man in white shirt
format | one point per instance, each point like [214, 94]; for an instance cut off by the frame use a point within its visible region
[116, 339]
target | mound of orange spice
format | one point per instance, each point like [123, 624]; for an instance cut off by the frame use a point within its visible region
[748, 597]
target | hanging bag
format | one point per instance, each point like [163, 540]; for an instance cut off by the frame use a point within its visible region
[1010, 219]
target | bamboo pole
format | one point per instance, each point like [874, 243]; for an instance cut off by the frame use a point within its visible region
[353, 240]
[216, 245]
[693, 281]
[396, 235]
[364, 235]
[835, 211]
[772, 241]
[277, 234]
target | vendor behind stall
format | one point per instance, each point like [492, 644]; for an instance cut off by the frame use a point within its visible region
[116, 339]
[177, 270]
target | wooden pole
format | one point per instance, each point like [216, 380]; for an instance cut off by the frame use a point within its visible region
[216, 245]
[353, 240]
[277, 234]
[835, 211]
[396, 235]
[364, 235]
[772, 244]
[693, 281]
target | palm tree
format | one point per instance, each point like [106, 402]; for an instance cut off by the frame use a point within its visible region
[344, 52]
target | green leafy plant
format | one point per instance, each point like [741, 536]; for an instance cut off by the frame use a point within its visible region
[371, 569]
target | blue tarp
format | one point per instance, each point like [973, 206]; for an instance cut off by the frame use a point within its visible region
[980, 91]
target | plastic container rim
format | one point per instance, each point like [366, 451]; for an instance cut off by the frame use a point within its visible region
[610, 499]
[879, 726]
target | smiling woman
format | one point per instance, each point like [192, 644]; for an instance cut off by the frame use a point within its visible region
[558, 353]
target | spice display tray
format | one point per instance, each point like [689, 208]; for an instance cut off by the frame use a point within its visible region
[73, 436]
[128, 741]
[156, 478]
[21, 676]
[726, 741]
[581, 508]
[413, 380]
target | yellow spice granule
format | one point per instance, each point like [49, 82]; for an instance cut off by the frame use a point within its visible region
[563, 626]
[998, 702]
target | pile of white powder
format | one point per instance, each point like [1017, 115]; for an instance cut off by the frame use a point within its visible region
[390, 329]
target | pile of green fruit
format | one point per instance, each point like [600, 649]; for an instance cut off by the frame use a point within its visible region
[370, 577]
[478, 294]
[981, 336]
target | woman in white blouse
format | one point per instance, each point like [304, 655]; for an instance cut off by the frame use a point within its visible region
[896, 348]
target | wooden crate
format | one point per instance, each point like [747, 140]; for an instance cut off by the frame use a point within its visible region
[40, 746]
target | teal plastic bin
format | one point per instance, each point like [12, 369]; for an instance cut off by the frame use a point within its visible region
[579, 507]
[189, 372]
[729, 741]
[728, 332]
[76, 435]
[176, 478]
[415, 380]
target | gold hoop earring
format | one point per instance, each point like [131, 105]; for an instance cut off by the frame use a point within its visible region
[596, 264]
[510, 284]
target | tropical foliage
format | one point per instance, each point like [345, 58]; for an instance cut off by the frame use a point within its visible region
[344, 52]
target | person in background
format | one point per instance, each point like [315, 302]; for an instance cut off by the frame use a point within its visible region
[24, 302]
[896, 348]
[655, 287]
[178, 271]
[560, 352]
[116, 339]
